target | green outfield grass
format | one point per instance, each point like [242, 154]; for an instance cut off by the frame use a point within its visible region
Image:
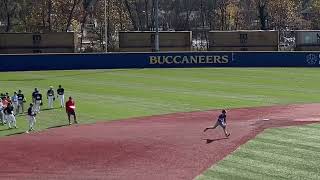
[279, 153]
[103, 95]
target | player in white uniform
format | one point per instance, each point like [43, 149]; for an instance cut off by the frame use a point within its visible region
[15, 103]
[11, 120]
[4, 101]
[2, 120]
[31, 117]
[50, 97]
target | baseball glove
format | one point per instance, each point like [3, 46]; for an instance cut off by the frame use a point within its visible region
[41, 104]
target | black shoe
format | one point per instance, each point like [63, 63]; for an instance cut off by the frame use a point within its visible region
[205, 129]
[228, 135]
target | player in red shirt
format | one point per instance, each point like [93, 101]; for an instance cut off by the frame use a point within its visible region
[5, 101]
[70, 109]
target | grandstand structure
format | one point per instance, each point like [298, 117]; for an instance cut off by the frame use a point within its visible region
[26, 43]
[170, 41]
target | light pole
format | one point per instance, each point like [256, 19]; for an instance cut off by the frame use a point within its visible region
[157, 48]
[105, 25]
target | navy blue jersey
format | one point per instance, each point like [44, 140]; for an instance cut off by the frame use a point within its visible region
[20, 97]
[30, 112]
[222, 118]
[50, 92]
[38, 97]
[8, 110]
[60, 91]
[34, 94]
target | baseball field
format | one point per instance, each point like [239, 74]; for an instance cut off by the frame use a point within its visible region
[148, 124]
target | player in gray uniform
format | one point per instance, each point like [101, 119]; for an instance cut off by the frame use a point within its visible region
[222, 121]
[60, 92]
[21, 101]
[11, 120]
[38, 102]
[31, 117]
[50, 97]
[15, 103]
[34, 95]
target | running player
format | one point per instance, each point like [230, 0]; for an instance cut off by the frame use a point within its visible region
[222, 121]
[60, 92]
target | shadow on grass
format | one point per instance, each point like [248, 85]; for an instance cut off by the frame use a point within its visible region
[213, 140]
[50, 109]
[57, 126]
[8, 130]
[22, 132]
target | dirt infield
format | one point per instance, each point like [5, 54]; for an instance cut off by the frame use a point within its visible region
[159, 147]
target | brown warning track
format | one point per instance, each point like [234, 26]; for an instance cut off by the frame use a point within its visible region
[159, 147]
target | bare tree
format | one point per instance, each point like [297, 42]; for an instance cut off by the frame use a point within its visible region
[49, 3]
[71, 12]
[10, 9]
[222, 13]
[263, 14]
[146, 12]
[86, 5]
[129, 9]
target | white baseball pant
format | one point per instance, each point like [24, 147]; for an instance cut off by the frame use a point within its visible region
[15, 107]
[11, 120]
[50, 101]
[36, 107]
[31, 121]
[20, 106]
[2, 119]
[61, 97]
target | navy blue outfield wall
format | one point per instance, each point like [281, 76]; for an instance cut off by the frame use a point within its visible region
[158, 60]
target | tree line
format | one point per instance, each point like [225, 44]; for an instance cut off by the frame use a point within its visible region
[86, 17]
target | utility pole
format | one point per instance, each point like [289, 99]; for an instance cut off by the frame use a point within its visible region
[157, 48]
[106, 24]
